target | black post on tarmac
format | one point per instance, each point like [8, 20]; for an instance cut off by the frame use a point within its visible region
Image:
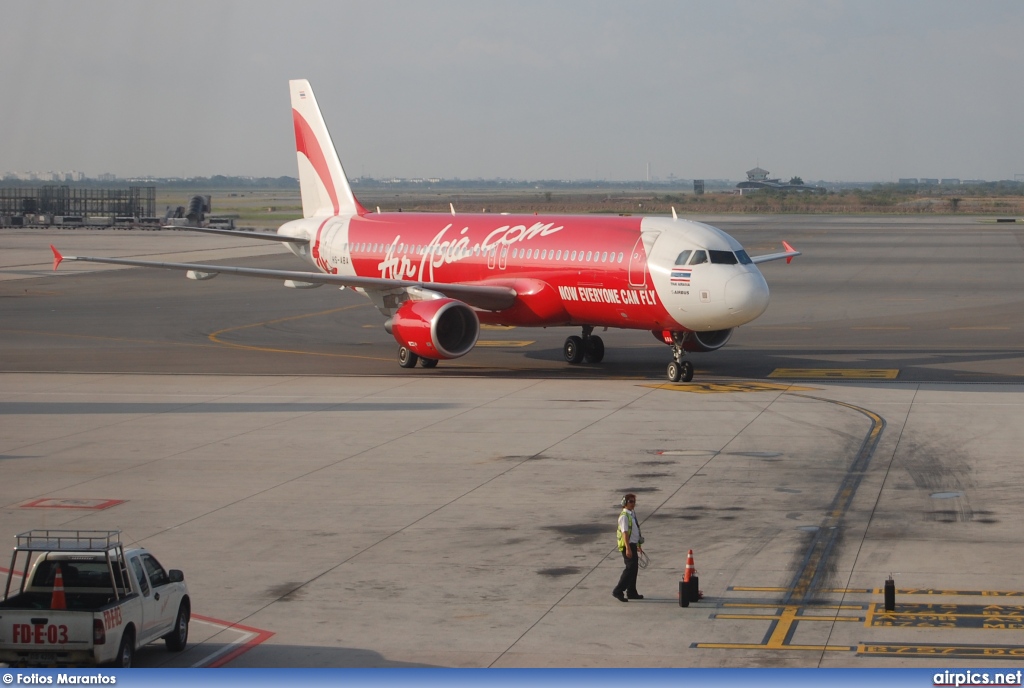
[694, 588]
[890, 594]
[684, 593]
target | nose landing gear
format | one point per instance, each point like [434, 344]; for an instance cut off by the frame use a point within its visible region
[589, 347]
[679, 369]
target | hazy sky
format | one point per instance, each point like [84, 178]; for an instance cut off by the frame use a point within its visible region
[825, 89]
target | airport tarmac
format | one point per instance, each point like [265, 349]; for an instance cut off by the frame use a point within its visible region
[331, 509]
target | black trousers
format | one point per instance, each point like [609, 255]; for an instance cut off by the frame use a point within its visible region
[627, 581]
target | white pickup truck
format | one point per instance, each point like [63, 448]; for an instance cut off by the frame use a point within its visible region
[85, 600]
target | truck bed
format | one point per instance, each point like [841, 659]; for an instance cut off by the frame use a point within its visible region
[76, 601]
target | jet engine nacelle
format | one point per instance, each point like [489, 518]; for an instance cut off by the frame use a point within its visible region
[707, 341]
[438, 328]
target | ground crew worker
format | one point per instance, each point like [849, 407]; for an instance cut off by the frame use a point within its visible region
[630, 544]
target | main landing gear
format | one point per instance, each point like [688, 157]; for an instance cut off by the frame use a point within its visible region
[589, 347]
[679, 369]
[407, 359]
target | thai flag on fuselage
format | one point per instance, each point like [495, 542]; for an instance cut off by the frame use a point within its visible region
[681, 275]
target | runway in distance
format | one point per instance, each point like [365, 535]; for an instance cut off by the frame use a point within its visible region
[436, 277]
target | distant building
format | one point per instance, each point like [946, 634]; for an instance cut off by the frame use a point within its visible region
[925, 181]
[908, 181]
[757, 179]
[758, 175]
[950, 182]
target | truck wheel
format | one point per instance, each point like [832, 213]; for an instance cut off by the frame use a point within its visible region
[177, 639]
[126, 652]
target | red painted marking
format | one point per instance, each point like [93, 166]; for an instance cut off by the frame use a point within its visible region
[57, 503]
[261, 637]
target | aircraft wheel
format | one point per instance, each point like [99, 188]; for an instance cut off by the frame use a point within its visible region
[687, 372]
[573, 350]
[674, 372]
[594, 346]
[406, 358]
[428, 362]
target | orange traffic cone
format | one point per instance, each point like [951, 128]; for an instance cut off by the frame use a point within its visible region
[690, 580]
[57, 601]
[691, 570]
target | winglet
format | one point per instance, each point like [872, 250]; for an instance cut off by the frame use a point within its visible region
[785, 245]
[57, 257]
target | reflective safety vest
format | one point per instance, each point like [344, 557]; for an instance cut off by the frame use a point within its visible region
[620, 536]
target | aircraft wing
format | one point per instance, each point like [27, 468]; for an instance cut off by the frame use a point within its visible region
[789, 254]
[241, 233]
[483, 296]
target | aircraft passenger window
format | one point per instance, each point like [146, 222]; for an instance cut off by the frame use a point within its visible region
[620, 257]
[544, 254]
[699, 257]
[573, 256]
[744, 258]
[558, 256]
[589, 253]
[723, 257]
[604, 257]
[683, 257]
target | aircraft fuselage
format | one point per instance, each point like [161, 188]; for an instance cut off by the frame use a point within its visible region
[604, 271]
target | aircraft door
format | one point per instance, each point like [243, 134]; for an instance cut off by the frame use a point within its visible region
[638, 264]
[503, 257]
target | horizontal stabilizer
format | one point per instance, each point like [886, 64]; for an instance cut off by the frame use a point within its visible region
[263, 236]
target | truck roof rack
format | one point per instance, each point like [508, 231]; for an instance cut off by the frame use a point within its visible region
[68, 540]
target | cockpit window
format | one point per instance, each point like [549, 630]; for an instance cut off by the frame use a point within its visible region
[723, 257]
[699, 257]
[744, 258]
[683, 257]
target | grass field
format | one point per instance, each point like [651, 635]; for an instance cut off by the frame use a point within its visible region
[271, 208]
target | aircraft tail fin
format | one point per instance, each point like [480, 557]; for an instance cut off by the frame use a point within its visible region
[322, 182]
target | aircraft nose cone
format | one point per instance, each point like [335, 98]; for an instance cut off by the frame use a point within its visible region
[747, 295]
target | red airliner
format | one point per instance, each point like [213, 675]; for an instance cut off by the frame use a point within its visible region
[437, 277]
